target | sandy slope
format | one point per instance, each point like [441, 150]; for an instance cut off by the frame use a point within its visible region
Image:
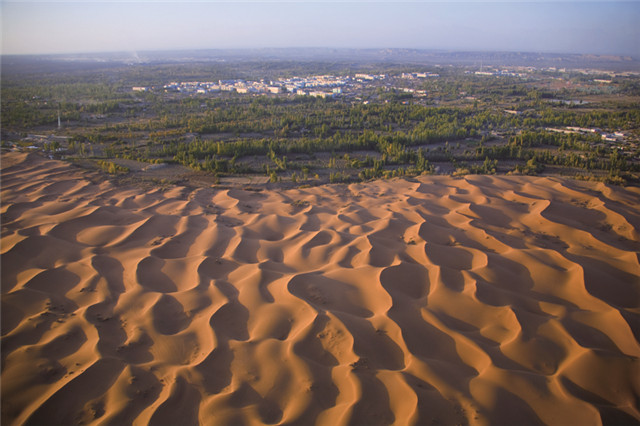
[483, 300]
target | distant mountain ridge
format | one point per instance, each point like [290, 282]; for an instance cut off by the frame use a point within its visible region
[399, 55]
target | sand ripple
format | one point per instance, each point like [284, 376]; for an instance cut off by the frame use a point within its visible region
[483, 300]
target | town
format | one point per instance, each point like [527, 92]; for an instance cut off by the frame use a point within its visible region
[331, 86]
[322, 85]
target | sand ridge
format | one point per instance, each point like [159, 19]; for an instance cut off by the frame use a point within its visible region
[476, 300]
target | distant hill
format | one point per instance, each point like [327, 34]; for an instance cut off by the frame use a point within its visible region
[351, 56]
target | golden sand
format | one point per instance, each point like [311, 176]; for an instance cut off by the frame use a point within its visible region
[479, 300]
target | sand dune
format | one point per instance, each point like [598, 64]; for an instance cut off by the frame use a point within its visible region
[478, 300]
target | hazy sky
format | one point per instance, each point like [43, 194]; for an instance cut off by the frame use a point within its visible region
[549, 26]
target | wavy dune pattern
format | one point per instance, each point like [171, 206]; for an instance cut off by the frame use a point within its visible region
[482, 300]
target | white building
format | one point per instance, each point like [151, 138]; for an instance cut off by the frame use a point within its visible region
[321, 94]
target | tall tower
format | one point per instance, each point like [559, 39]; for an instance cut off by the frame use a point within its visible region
[59, 123]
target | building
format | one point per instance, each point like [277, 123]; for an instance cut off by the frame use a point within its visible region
[321, 94]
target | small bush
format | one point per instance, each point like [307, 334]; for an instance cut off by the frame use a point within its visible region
[112, 168]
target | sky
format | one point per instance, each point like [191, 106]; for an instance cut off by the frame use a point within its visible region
[566, 26]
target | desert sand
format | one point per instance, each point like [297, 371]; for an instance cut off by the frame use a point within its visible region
[434, 300]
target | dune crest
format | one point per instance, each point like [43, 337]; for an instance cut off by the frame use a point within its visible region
[477, 300]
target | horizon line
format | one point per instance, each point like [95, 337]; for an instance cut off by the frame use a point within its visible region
[343, 48]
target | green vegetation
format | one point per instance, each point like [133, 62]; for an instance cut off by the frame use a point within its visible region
[459, 126]
[111, 168]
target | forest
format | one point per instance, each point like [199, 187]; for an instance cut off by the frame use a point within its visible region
[547, 122]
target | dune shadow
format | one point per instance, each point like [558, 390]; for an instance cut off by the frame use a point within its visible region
[112, 335]
[181, 408]
[143, 390]
[432, 407]
[112, 271]
[215, 369]
[169, 316]
[510, 409]
[229, 322]
[609, 284]
[432, 346]
[178, 246]
[67, 404]
[309, 346]
[151, 277]
[406, 280]
[326, 294]
[374, 346]
[373, 407]
[268, 411]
